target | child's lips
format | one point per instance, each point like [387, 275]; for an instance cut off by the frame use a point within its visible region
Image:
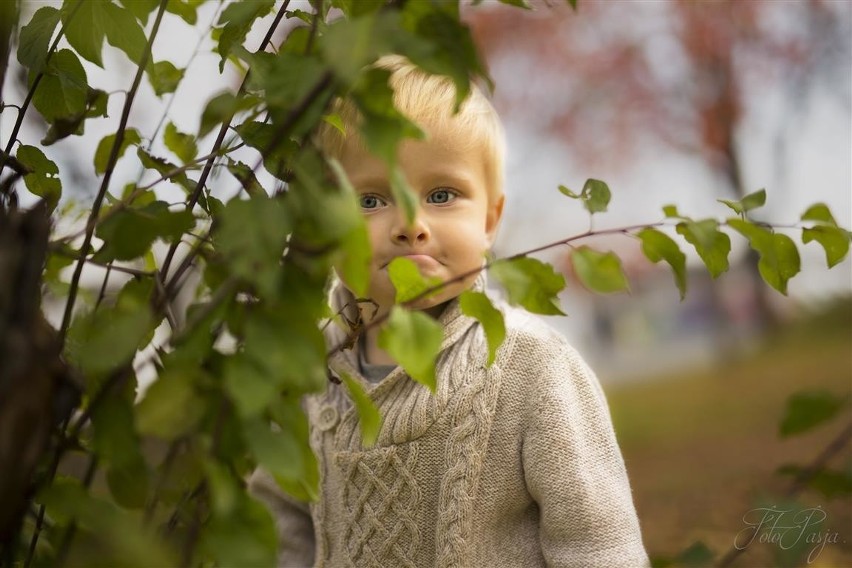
[421, 260]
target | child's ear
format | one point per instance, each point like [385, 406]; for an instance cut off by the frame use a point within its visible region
[492, 218]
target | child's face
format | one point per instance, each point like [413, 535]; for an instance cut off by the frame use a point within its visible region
[455, 222]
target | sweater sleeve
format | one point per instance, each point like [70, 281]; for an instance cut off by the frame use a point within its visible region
[575, 472]
[292, 519]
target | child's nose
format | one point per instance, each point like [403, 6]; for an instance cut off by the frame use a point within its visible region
[417, 231]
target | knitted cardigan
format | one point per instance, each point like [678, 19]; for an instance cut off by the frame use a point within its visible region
[513, 464]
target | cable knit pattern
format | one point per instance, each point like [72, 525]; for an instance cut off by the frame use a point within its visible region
[515, 464]
[471, 423]
[379, 496]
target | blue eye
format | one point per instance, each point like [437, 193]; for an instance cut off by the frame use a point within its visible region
[441, 196]
[370, 202]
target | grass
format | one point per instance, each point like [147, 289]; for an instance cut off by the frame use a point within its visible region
[702, 448]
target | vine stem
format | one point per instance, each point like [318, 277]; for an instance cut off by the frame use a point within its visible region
[113, 158]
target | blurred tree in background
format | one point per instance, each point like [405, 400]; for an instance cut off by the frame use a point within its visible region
[683, 77]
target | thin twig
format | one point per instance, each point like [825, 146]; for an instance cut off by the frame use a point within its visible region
[102, 293]
[113, 158]
[166, 302]
[350, 339]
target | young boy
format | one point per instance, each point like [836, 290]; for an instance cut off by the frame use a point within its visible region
[513, 464]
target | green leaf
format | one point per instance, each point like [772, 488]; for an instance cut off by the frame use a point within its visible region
[97, 101]
[567, 192]
[118, 538]
[114, 435]
[288, 414]
[184, 9]
[252, 237]
[129, 233]
[659, 246]
[441, 44]
[249, 386]
[35, 160]
[478, 305]
[164, 77]
[383, 127]
[596, 196]
[671, 211]
[117, 443]
[834, 240]
[779, 257]
[351, 43]
[219, 109]
[182, 145]
[407, 280]
[85, 28]
[105, 339]
[530, 283]
[749, 202]
[696, 555]
[711, 244]
[286, 78]
[599, 272]
[34, 39]
[164, 168]
[276, 450]
[238, 19]
[123, 31]
[808, 409]
[171, 406]
[830, 484]
[140, 8]
[821, 213]
[370, 421]
[63, 90]
[131, 137]
[413, 340]
[403, 194]
[44, 180]
[261, 136]
[353, 261]
[95, 20]
[245, 536]
[246, 177]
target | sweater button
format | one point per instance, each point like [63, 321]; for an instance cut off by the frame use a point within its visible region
[327, 418]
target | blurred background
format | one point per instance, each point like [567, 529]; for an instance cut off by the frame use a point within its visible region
[684, 103]
[669, 102]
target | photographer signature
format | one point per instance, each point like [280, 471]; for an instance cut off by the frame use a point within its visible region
[786, 528]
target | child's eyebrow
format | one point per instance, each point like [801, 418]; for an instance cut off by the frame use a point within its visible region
[374, 182]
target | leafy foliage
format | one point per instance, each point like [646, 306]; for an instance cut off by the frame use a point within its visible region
[808, 409]
[230, 370]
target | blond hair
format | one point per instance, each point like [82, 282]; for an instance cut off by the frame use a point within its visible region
[428, 100]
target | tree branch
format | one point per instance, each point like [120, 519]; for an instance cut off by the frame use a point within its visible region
[113, 158]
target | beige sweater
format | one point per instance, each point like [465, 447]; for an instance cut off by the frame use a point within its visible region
[515, 464]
